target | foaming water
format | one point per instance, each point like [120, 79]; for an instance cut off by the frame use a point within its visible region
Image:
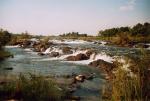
[68, 41]
[12, 46]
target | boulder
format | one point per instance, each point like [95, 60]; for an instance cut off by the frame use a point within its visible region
[78, 57]
[89, 53]
[8, 68]
[81, 57]
[78, 78]
[41, 54]
[71, 58]
[67, 50]
[106, 66]
[54, 54]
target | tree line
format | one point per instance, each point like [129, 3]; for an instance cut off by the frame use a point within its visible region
[137, 30]
[73, 34]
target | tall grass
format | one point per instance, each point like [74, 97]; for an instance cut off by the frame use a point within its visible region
[135, 87]
[32, 88]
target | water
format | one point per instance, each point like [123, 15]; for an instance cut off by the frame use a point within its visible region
[29, 62]
[26, 61]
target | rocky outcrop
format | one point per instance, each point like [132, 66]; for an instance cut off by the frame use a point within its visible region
[54, 54]
[81, 57]
[41, 54]
[78, 57]
[106, 66]
[71, 58]
[89, 53]
[67, 50]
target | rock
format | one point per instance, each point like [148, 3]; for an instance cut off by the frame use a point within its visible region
[89, 53]
[26, 43]
[54, 54]
[102, 64]
[81, 57]
[67, 50]
[8, 68]
[41, 54]
[71, 58]
[80, 78]
[90, 77]
[78, 57]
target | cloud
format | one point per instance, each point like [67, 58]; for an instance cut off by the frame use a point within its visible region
[129, 6]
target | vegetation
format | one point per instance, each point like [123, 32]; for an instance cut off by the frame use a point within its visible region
[32, 88]
[73, 34]
[137, 30]
[130, 84]
[127, 35]
[5, 37]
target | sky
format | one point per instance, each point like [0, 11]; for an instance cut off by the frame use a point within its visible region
[54, 17]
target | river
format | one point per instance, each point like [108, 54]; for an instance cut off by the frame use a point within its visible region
[26, 61]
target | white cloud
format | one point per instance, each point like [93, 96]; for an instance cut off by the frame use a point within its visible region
[129, 6]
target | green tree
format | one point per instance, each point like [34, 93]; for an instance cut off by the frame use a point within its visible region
[5, 37]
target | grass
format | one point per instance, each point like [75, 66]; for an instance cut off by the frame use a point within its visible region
[32, 88]
[135, 87]
[132, 84]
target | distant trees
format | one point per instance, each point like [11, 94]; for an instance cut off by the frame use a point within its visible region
[25, 35]
[73, 34]
[141, 30]
[137, 30]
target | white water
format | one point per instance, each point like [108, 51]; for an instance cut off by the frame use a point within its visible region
[53, 49]
[68, 41]
[12, 46]
[93, 57]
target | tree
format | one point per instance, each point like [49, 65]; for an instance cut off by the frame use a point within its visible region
[5, 37]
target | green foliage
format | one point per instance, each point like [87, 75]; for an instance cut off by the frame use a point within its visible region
[73, 34]
[113, 31]
[5, 37]
[137, 30]
[32, 88]
[25, 35]
[141, 30]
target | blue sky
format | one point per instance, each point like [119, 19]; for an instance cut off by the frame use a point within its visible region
[53, 17]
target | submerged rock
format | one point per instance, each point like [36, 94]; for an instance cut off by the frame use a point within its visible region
[8, 68]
